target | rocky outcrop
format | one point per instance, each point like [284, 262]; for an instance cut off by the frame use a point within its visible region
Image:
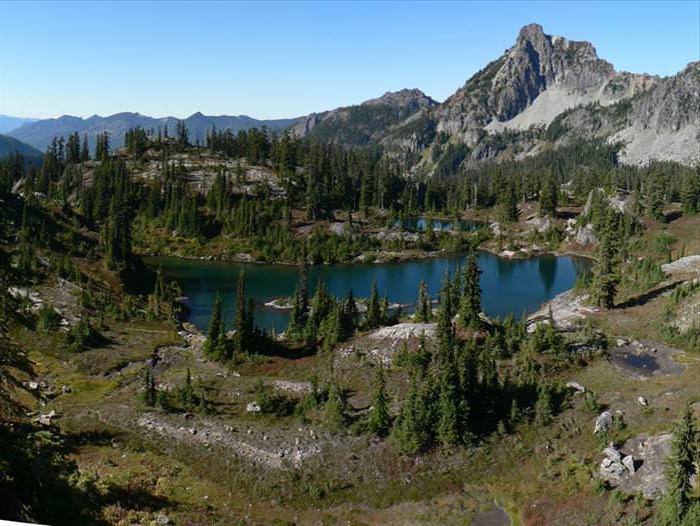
[651, 453]
[615, 466]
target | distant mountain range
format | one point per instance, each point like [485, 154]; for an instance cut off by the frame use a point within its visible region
[9, 123]
[543, 92]
[40, 133]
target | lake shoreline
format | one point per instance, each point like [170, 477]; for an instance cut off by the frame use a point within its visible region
[382, 257]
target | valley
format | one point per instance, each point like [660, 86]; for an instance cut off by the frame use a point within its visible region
[479, 311]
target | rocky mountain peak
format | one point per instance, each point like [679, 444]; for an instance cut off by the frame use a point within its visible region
[411, 99]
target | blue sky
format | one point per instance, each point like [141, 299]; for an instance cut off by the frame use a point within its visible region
[284, 59]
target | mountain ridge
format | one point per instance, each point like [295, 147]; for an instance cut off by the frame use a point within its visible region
[40, 133]
[537, 81]
[545, 91]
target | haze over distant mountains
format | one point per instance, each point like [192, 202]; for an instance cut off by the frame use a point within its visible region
[40, 133]
[9, 123]
[545, 91]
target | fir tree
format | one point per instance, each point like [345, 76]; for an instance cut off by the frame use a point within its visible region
[448, 425]
[470, 306]
[509, 205]
[335, 410]
[681, 465]
[84, 149]
[215, 342]
[379, 419]
[242, 320]
[424, 311]
[543, 406]
[605, 271]
[412, 430]
[374, 314]
[348, 316]
[548, 195]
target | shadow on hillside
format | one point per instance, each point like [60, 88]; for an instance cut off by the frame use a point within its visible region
[647, 296]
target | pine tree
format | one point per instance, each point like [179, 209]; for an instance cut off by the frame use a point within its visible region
[186, 392]
[509, 204]
[470, 306]
[548, 195]
[605, 271]
[374, 314]
[543, 406]
[348, 316]
[215, 342]
[379, 419]
[242, 319]
[445, 329]
[448, 424]
[681, 461]
[84, 150]
[412, 430]
[424, 311]
[335, 410]
[300, 305]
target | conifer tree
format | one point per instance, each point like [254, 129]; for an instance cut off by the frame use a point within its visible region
[374, 314]
[84, 149]
[424, 311]
[605, 271]
[348, 316]
[448, 424]
[215, 342]
[186, 392]
[335, 410]
[242, 319]
[548, 195]
[379, 419]
[412, 429]
[470, 306]
[300, 305]
[681, 465]
[509, 204]
[543, 406]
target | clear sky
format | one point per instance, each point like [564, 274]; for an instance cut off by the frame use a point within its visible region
[284, 59]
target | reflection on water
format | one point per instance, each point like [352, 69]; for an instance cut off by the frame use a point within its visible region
[547, 266]
[517, 286]
[420, 224]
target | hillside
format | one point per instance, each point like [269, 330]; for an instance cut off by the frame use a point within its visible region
[40, 133]
[11, 145]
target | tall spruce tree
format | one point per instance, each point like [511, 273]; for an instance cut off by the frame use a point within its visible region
[508, 212]
[606, 276]
[242, 319]
[548, 195]
[374, 312]
[470, 306]
[424, 310]
[379, 419]
[681, 463]
[216, 337]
